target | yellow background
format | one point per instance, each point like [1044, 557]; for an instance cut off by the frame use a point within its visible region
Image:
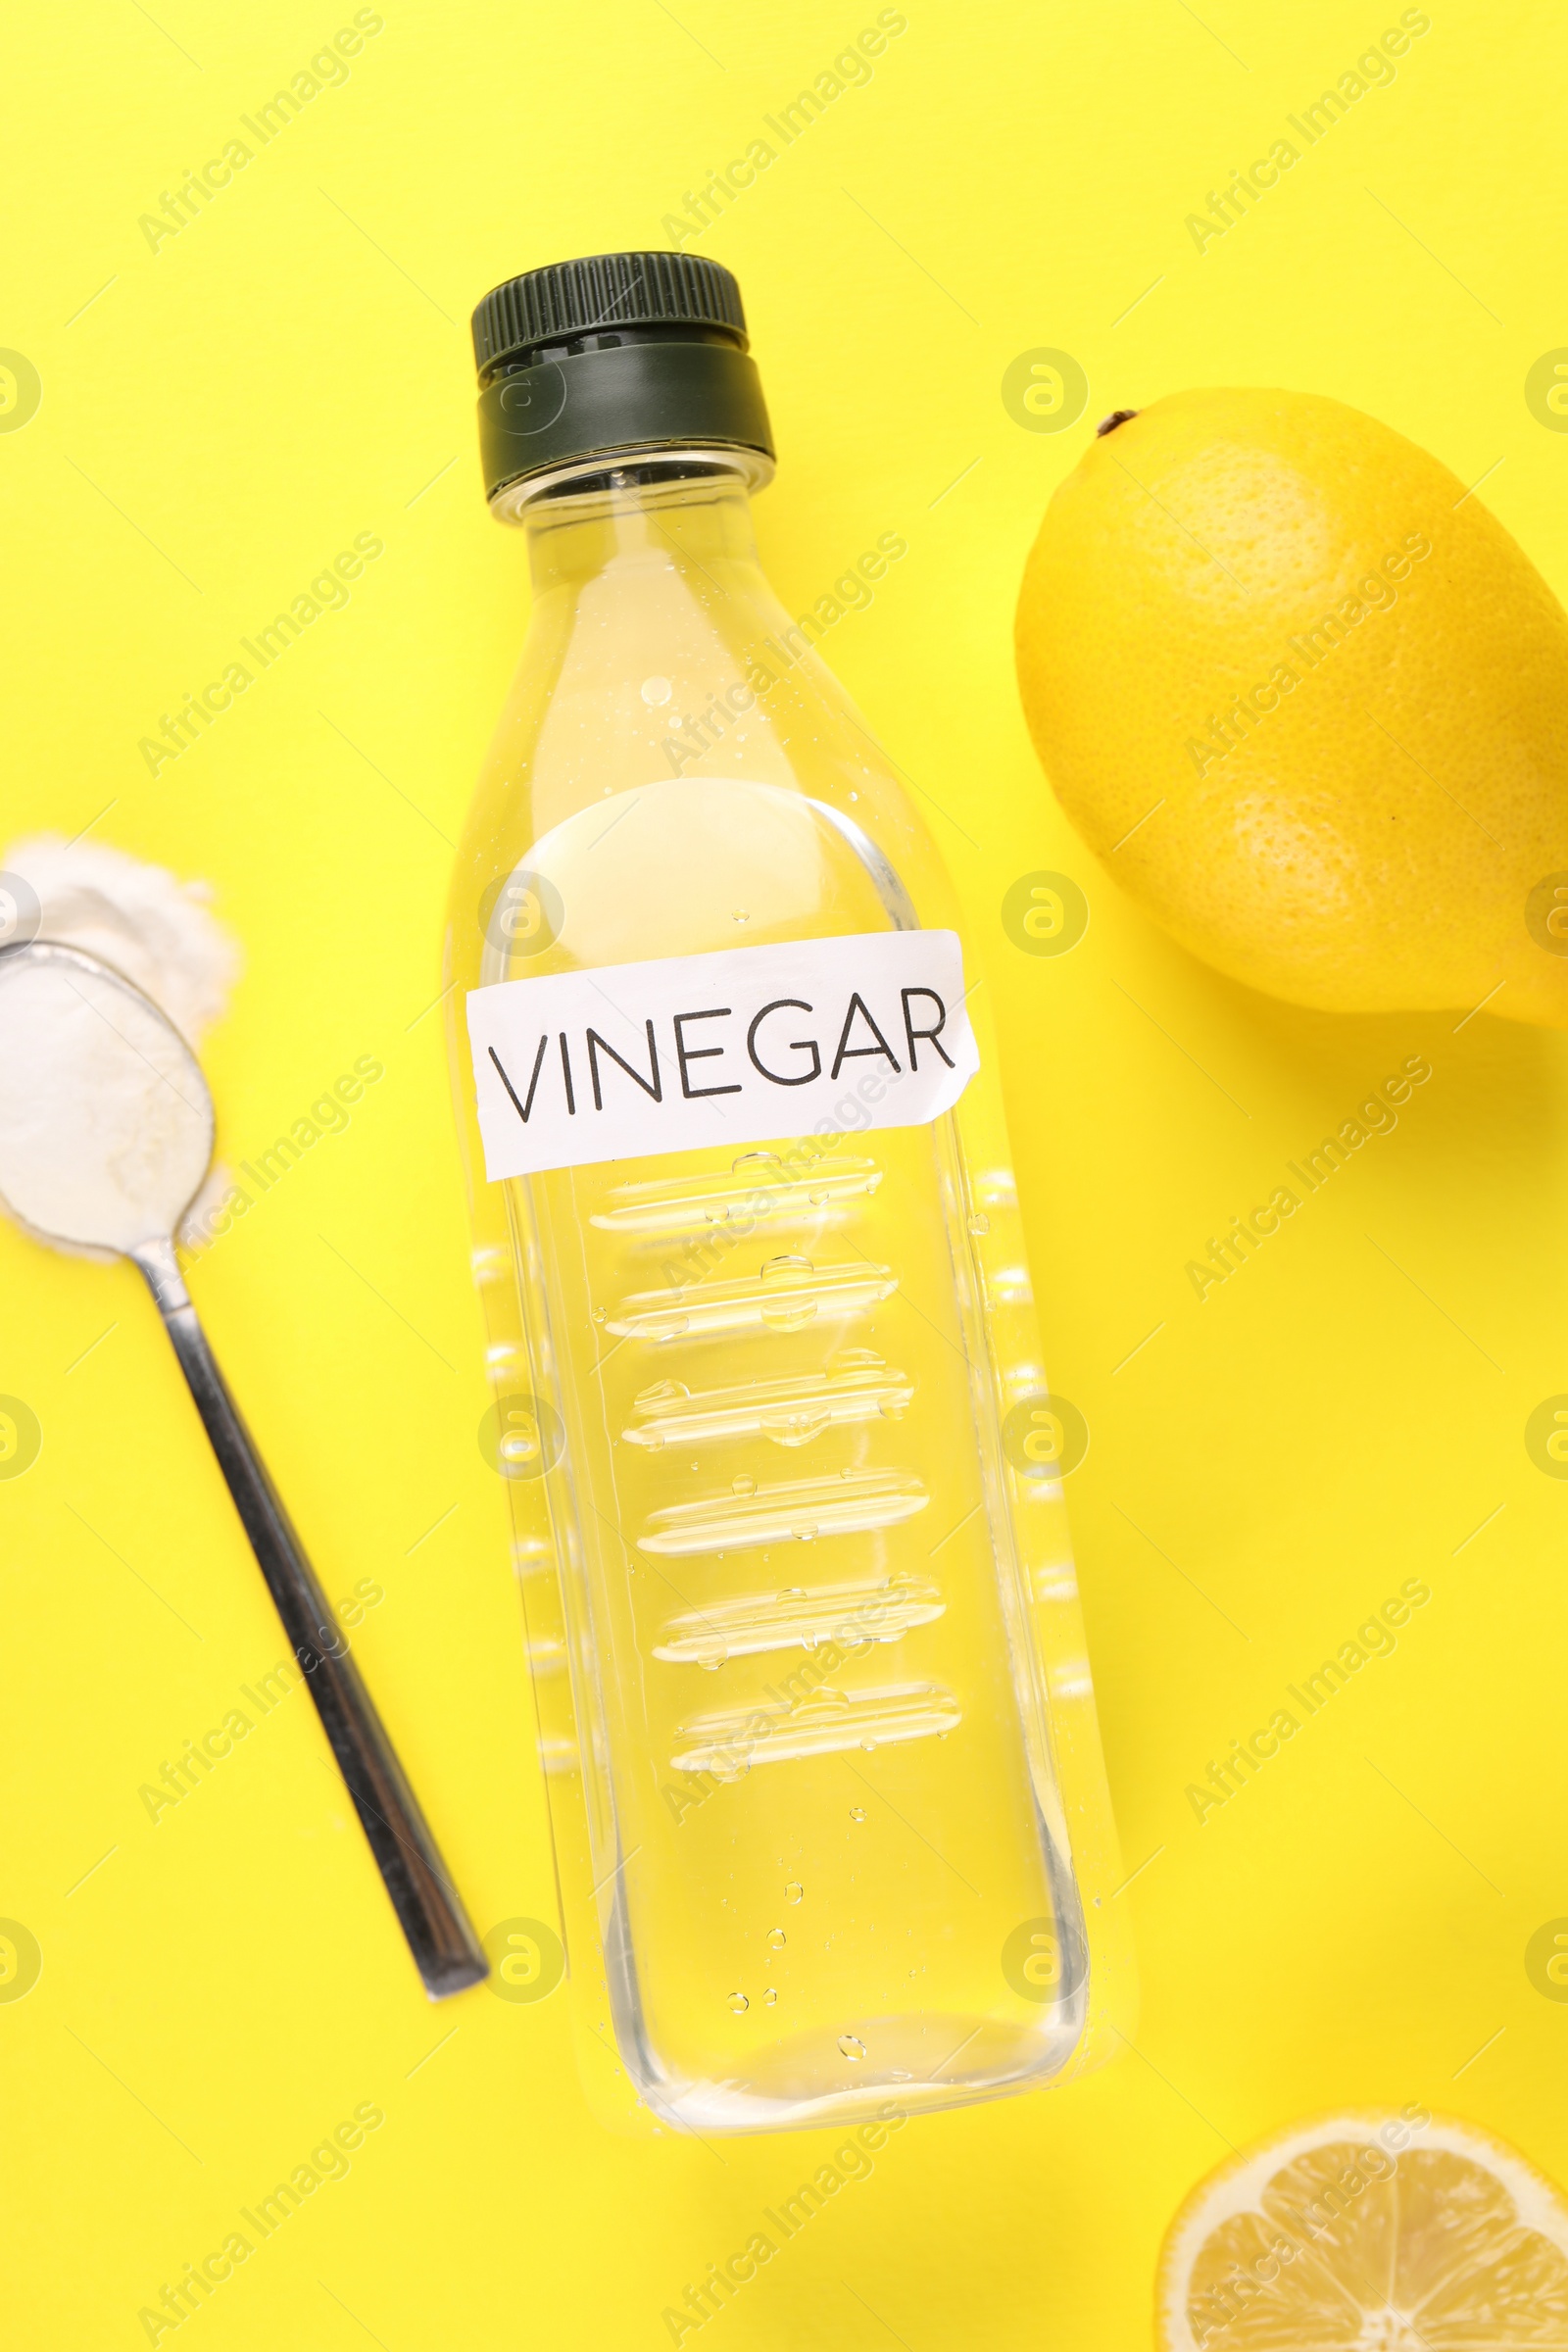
[219, 419]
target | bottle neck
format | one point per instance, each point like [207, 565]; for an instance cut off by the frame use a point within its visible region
[688, 509]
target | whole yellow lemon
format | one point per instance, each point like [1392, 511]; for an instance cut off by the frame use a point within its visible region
[1308, 702]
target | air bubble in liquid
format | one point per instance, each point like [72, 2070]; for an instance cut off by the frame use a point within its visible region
[770, 1997]
[856, 1812]
[850, 2046]
[745, 1485]
[783, 1276]
[739, 2003]
[794, 1891]
[775, 1936]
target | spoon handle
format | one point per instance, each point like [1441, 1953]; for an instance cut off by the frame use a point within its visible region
[445, 1948]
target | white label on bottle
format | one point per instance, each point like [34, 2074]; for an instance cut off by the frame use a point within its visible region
[824, 1036]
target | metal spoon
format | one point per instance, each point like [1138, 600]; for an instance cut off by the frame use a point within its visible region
[106, 1135]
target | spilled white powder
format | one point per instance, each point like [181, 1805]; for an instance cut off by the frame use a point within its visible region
[156, 931]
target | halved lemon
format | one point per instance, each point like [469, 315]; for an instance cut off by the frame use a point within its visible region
[1369, 2233]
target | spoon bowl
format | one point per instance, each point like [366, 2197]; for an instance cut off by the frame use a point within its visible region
[106, 1123]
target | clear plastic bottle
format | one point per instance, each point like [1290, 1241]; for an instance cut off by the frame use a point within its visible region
[829, 1812]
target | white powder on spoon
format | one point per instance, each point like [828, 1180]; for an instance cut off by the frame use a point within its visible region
[156, 931]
